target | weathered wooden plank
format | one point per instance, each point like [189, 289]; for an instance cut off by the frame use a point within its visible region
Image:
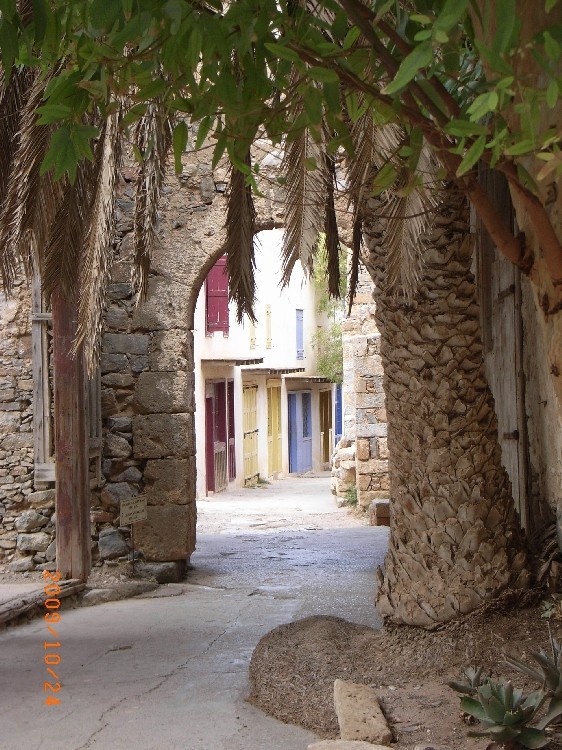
[21, 604]
[71, 445]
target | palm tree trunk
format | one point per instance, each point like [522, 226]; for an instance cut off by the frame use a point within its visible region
[455, 539]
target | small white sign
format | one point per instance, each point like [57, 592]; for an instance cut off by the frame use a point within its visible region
[133, 509]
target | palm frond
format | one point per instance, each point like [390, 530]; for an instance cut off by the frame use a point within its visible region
[333, 245]
[60, 269]
[13, 97]
[153, 137]
[409, 216]
[32, 200]
[239, 246]
[97, 255]
[408, 206]
[306, 179]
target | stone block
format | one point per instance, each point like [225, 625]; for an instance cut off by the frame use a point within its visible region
[167, 534]
[170, 481]
[171, 350]
[119, 291]
[125, 343]
[51, 551]
[120, 424]
[164, 393]
[139, 363]
[108, 402]
[162, 572]
[30, 520]
[113, 493]
[22, 565]
[118, 379]
[382, 448]
[362, 450]
[130, 474]
[112, 544]
[345, 745]
[359, 714]
[369, 430]
[115, 446]
[99, 596]
[373, 466]
[45, 499]
[163, 435]
[7, 543]
[113, 362]
[166, 306]
[37, 542]
[116, 318]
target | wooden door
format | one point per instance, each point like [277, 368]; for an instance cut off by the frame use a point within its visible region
[326, 432]
[499, 286]
[250, 425]
[300, 431]
[274, 429]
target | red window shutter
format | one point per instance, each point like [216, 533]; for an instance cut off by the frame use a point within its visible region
[217, 297]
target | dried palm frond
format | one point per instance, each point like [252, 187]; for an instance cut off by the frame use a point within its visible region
[333, 245]
[153, 137]
[409, 216]
[97, 254]
[306, 180]
[61, 263]
[239, 246]
[31, 201]
[408, 211]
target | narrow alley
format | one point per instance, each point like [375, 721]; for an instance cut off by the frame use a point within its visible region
[168, 670]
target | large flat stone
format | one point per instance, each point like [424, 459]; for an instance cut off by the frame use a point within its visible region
[345, 745]
[33, 542]
[114, 492]
[170, 481]
[30, 520]
[359, 714]
[167, 534]
[116, 446]
[171, 350]
[125, 343]
[162, 572]
[164, 393]
[163, 435]
[112, 544]
[166, 306]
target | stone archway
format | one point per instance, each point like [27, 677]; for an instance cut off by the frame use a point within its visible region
[148, 366]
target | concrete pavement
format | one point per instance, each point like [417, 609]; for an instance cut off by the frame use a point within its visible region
[169, 670]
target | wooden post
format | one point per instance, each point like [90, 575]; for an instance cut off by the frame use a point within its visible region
[71, 446]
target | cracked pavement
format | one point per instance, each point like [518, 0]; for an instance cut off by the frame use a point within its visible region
[168, 670]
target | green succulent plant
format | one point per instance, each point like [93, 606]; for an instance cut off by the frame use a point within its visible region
[506, 714]
[549, 672]
[473, 678]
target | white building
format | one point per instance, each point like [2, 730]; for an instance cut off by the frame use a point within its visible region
[261, 408]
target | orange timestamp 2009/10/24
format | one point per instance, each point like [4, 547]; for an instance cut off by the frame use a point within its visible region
[52, 658]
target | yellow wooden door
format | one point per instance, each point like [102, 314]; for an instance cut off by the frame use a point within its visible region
[274, 429]
[326, 426]
[250, 424]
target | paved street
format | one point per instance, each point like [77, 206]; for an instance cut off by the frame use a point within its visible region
[169, 670]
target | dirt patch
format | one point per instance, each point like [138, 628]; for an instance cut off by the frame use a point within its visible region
[293, 669]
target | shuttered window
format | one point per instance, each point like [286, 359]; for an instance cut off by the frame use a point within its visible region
[300, 334]
[217, 297]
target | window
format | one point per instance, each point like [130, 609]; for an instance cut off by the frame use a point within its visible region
[300, 334]
[268, 326]
[306, 414]
[217, 297]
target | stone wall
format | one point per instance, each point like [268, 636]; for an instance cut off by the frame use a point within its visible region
[26, 523]
[361, 459]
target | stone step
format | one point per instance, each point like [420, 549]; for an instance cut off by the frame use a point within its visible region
[359, 714]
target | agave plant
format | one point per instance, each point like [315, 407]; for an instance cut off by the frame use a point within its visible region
[474, 677]
[549, 675]
[505, 714]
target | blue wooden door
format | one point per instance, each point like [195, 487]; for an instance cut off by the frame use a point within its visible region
[300, 432]
[339, 416]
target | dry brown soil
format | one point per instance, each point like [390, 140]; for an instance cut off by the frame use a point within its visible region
[294, 667]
